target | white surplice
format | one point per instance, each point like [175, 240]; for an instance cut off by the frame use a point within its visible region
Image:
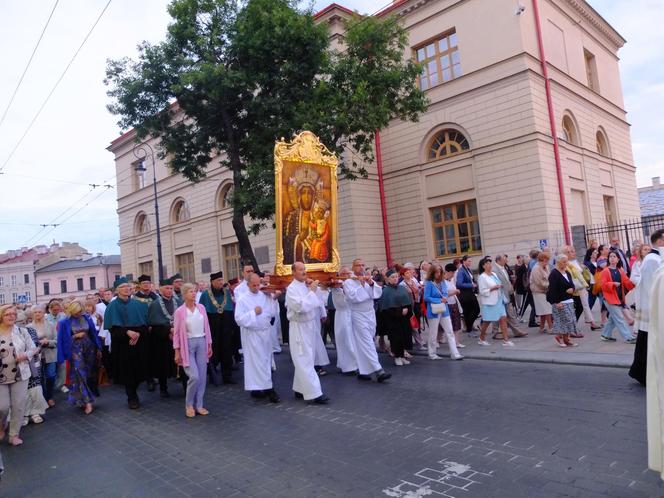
[655, 375]
[321, 357]
[240, 290]
[303, 312]
[343, 333]
[360, 298]
[256, 333]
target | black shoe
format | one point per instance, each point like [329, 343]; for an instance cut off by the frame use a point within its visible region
[363, 377]
[151, 385]
[133, 404]
[320, 400]
[298, 395]
[257, 394]
[230, 381]
[164, 393]
[532, 325]
[383, 376]
[352, 372]
[272, 396]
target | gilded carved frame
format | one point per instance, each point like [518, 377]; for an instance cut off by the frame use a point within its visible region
[304, 149]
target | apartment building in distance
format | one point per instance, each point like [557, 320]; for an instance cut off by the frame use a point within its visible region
[476, 175]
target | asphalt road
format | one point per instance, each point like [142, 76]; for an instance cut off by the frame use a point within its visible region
[457, 429]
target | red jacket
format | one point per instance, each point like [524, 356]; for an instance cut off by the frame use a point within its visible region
[609, 290]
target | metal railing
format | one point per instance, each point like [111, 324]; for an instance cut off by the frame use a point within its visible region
[627, 231]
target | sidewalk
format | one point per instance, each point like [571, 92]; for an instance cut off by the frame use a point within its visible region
[541, 348]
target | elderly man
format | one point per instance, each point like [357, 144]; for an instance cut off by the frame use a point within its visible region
[303, 312]
[343, 328]
[508, 293]
[178, 282]
[254, 313]
[126, 320]
[360, 292]
[145, 295]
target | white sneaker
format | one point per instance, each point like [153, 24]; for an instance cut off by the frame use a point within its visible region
[398, 362]
[64, 389]
[434, 357]
[405, 361]
[461, 345]
[460, 357]
[483, 343]
[508, 343]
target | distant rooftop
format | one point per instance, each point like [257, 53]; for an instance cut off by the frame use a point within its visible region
[651, 198]
[113, 259]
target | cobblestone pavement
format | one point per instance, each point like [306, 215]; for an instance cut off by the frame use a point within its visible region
[437, 428]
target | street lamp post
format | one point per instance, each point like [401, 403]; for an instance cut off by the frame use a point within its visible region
[142, 151]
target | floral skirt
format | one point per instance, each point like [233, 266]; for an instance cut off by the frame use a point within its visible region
[564, 320]
[82, 371]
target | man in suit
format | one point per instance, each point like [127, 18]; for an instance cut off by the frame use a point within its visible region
[508, 293]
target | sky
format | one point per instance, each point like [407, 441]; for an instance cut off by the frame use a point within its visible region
[48, 172]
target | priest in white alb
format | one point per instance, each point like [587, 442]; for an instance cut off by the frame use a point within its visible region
[655, 376]
[343, 329]
[254, 314]
[303, 312]
[360, 292]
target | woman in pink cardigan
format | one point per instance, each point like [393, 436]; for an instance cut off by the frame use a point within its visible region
[192, 343]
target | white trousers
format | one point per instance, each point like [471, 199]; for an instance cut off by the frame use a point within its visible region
[432, 335]
[587, 312]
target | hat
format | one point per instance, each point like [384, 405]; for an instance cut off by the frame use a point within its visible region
[215, 276]
[390, 272]
[120, 281]
[144, 278]
[175, 277]
[165, 281]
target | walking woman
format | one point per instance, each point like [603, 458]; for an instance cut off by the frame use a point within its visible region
[35, 404]
[79, 344]
[539, 284]
[396, 308]
[49, 357]
[615, 284]
[415, 291]
[491, 302]
[466, 284]
[438, 314]
[560, 297]
[192, 343]
[16, 349]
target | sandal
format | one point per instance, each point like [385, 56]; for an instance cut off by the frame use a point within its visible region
[189, 412]
[37, 419]
[15, 441]
[202, 411]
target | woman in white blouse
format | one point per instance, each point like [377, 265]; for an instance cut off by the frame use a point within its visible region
[192, 343]
[490, 296]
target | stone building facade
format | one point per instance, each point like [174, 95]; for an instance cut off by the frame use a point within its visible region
[475, 175]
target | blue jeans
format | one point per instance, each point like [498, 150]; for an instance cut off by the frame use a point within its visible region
[196, 371]
[616, 320]
[49, 372]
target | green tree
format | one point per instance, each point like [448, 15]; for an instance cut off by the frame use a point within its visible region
[246, 73]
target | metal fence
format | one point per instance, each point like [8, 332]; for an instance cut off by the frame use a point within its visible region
[627, 231]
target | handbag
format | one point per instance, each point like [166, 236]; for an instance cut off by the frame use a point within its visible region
[438, 308]
[414, 322]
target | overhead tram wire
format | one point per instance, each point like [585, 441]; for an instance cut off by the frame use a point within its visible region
[43, 105]
[25, 70]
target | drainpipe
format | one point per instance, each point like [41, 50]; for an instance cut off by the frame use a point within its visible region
[383, 208]
[552, 122]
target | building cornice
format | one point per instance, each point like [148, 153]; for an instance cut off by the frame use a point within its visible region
[591, 16]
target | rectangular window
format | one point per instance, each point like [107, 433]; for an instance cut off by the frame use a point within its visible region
[591, 71]
[63, 286]
[2, 299]
[79, 284]
[26, 278]
[14, 297]
[2, 280]
[13, 279]
[139, 175]
[27, 295]
[145, 268]
[440, 59]
[93, 283]
[185, 266]
[456, 229]
[232, 260]
[47, 288]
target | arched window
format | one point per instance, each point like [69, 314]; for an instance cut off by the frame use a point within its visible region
[141, 224]
[225, 196]
[447, 143]
[180, 211]
[602, 143]
[569, 133]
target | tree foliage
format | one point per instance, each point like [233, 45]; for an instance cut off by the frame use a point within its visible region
[246, 73]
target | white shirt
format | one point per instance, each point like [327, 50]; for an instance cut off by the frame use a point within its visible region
[451, 287]
[195, 324]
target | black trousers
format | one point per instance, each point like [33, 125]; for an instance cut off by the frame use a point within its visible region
[285, 326]
[328, 327]
[578, 307]
[640, 363]
[131, 389]
[471, 308]
[223, 342]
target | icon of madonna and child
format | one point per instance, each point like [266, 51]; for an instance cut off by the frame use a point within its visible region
[307, 223]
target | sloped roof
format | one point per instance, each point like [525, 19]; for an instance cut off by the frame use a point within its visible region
[652, 202]
[70, 264]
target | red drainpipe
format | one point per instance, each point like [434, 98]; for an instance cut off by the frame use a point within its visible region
[383, 208]
[552, 122]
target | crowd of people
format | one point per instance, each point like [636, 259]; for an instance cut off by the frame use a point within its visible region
[199, 332]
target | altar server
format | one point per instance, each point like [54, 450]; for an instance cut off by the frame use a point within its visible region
[360, 292]
[254, 313]
[303, 314]
[655, 375]
[343, 329]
